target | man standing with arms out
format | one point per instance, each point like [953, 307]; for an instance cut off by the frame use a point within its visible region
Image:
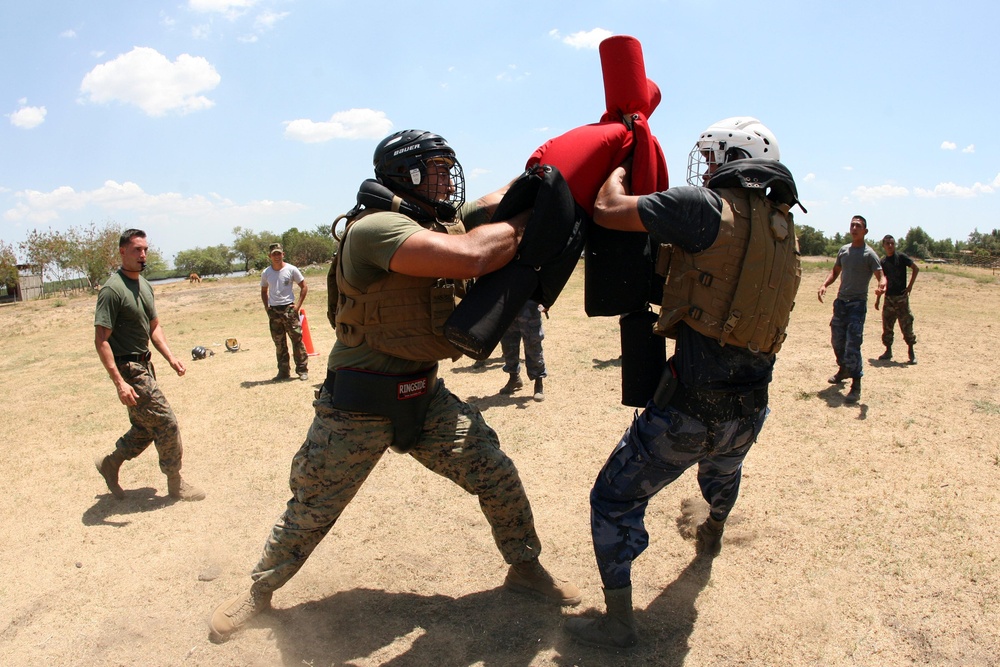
[897, 298]
[124, 323]
[732, 272]
[856, 262]
[382, 387]
[527, 326]
[283, 311]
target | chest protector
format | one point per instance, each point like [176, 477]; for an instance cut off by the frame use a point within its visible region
[740, 290]
[399, 315]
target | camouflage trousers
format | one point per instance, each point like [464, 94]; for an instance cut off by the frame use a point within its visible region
[282, 321]
[897, 308]
[656, 449]
[152, 419]
[527, 327]
[342, 448]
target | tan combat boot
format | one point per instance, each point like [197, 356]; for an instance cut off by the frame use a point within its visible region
[109, 466]
[533, 579]
[615, 629]
[178, 489]
[234, 613]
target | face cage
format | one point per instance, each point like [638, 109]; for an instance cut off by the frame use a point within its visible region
[701, 160]
[445, 191]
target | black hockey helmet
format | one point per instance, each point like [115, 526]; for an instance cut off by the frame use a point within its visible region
[421, 166]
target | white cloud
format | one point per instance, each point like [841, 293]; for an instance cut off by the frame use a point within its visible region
[810, 177]
[866, 193]
[971, 148]
[350, 124]
[117, 198]
[147, 79]
[267, 20]
[68, 34]
[477, 172]
[583, 40]
[231, 9]
[948, 145]
[512, 74]
[951, 190]
[27, 117]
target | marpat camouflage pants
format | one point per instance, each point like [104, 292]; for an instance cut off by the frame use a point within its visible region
[282, 321]
[893, 308]
[656, 449]
[342, 448]
[151, 418]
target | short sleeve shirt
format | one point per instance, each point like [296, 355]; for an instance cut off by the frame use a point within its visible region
[857, 267]
[126, 307]
[895, 273]
[279, 284]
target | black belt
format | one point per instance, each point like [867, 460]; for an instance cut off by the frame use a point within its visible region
[717, 406]
[139, 357]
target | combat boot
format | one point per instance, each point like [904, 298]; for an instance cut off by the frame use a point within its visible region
[513, 384]
[839, 376]
[539, 392]
[533, 579]
[109, 466]
[887, 355]
[615, 629]
[913, 355]
[708, 537]
[234, 613]
[854, 395]
[178, 489]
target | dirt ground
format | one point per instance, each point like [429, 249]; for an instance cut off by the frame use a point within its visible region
[864, 535]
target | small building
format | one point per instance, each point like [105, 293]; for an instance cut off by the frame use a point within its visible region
[27, 287]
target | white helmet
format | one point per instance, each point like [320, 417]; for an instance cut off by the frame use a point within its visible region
[727, 140]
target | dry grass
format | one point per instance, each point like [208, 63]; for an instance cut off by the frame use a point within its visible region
[865, 535]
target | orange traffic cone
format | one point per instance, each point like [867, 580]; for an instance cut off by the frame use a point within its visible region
[306, 338]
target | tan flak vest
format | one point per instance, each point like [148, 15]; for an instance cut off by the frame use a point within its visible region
[740, 290]
[399, 315]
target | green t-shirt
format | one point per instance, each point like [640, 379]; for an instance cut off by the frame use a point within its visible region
[126, 307]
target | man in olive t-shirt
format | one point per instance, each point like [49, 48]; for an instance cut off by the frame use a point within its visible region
[125, 321]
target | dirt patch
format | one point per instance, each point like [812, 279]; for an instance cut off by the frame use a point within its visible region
[864, 534]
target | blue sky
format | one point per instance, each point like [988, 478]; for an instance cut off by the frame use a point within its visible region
[188, 118]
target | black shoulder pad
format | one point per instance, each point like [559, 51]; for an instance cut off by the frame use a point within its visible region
[761, 174]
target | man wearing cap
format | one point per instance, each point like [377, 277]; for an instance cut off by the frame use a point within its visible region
[283, 311]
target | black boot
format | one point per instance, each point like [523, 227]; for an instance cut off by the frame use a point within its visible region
[887, 355]
[854, 395]
[513, 384]
[839, 376]
[913, 355]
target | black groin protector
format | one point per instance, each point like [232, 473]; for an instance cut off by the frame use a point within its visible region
[619, 273]
[644, 356]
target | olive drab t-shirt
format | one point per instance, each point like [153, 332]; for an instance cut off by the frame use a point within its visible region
[126, 307]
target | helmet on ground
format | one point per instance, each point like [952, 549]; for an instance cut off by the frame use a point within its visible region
[730, 139]
[199, 352]
[232, 345]
[421, 166]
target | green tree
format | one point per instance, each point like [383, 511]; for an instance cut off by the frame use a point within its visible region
[206, 261]
[94, 250]
[988, 244]
[251, 247]
[916, 243]
[811, 241]
[8, 264]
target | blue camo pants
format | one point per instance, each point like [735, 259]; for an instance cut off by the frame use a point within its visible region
[527, 327]
[655, 450]
[847, 332]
